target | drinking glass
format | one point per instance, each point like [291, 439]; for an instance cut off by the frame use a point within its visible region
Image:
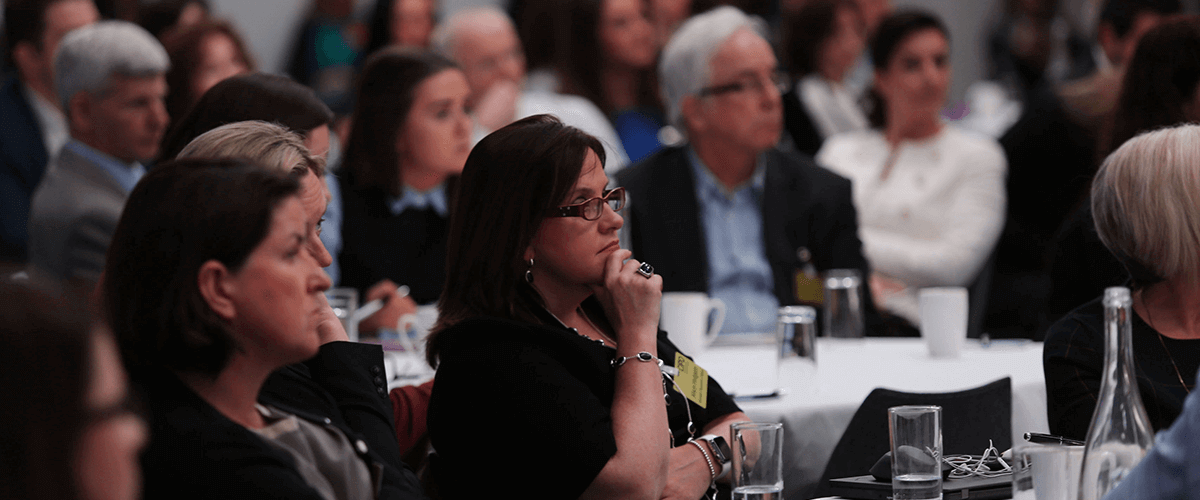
[757, 460]
[344, 302]
[1046, 472]
[843, 304]
[916, 436]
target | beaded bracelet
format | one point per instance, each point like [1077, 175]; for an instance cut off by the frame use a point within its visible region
[712, 471]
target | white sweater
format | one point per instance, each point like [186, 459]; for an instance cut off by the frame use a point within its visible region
[937, 216]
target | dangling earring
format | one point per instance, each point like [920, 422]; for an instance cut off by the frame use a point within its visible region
[529, 273]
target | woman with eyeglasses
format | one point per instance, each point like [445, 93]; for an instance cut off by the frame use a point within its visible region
[930, 197]
[551, 369]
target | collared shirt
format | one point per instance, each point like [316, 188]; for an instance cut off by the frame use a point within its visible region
[126, 174]
[738, 271]
[411, 198]
[50, 120]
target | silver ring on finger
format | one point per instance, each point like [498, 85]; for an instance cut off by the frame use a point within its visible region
[646, 270]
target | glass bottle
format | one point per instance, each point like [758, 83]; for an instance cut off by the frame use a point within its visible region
[1120, 433]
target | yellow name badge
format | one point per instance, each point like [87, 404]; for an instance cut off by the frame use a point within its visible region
[692, 380]
[809, 289]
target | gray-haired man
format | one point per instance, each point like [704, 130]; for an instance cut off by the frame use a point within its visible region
[729, 214]
[109, 81]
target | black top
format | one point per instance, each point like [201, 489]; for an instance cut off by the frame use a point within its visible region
[1074, 358]
[409, 249]
[800, 125]
[195, 452]
[515, 402]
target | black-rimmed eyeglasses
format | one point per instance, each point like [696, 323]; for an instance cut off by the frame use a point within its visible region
[592, 209]
[778, 79]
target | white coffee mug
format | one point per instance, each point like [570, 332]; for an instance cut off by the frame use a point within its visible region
[685, 319]
[943, 319]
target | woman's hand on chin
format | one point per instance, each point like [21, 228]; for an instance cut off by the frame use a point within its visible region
[630, 299]
[329, 327]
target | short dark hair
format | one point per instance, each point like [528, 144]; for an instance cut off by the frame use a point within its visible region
[1121, 14]
[45, 369]
[381, 24]
[892, 32]
[511, 180]
[24, 21]
[386, 91]
[253, 96]
[161, 15]
[806, 30]
[185, 46]
[180, 215]
[1160, 81]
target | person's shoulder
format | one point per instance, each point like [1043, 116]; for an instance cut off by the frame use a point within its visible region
[639, 174]
[801, 170]
[980, 149]
[1083, 324]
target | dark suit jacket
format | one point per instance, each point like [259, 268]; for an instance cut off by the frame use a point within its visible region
[804, 206]
[799, 125]
[22, 161]
[72, 218]
[195, 452]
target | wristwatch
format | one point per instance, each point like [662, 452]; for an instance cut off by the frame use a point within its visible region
[720, 451]
[641, 356]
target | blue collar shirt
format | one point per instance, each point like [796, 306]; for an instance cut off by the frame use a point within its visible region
[127, 175]
[738, 270]
[411, 198]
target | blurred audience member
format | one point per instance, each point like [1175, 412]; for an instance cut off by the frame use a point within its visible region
[873, 12]
[211, 289]
[822, 41]
[484, 43]
[609, 59]
[32, 125]
[328, 51]
[1155, 237]
[69, 431]
[109, 79]
[411, 135]
[1033, 41]
[1161, 84]
[728, 213]
[667, 15]
[202, 55]
[162, 16]
[930, 197]
[407, 23]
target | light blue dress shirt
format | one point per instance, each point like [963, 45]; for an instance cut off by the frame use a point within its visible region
[331, 227]
[738, 271]
[411, 198]
[1172, 468]
[126, 174]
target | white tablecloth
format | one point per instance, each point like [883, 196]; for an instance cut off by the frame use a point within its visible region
[816, 408]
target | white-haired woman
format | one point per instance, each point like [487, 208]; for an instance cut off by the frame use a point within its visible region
[1144, 201]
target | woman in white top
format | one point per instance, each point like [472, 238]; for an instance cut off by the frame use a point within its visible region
[930, 197]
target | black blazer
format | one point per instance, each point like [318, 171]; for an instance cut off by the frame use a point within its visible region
[195, 452]
[800, 125]
[22, 162]
[804, 206]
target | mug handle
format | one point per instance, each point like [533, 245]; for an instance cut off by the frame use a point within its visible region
[719, 306]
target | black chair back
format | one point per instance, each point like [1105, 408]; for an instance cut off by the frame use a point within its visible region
[969, 419]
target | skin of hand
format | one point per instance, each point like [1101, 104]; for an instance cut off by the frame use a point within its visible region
[329, 327]
[498, 105]
[395, 306]
[883, 287]
[630, 300]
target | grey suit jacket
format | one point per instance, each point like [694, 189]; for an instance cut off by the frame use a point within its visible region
[72, 218]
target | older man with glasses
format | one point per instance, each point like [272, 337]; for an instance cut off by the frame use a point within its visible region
[727, 213]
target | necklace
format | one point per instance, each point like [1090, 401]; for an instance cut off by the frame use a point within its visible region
[597, 329]
[1163, 343]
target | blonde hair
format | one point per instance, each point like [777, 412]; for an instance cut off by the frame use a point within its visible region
[262, 143]
[1145, 200]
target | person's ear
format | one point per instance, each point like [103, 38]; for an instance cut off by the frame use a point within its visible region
[27, 58]
[80, 111]
[528, 253]
[693, 117]
[216, 289]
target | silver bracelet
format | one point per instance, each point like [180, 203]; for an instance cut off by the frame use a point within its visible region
[641, 356]
[712, 471]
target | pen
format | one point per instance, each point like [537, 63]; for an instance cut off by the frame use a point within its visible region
[1037, 437]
